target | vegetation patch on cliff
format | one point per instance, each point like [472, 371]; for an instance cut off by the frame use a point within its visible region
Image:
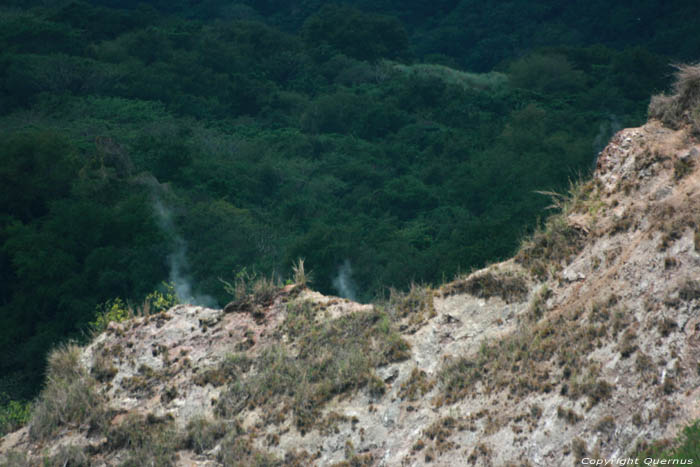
[322, 359]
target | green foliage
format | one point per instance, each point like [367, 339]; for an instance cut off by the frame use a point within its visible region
[688, 444]
[355, 33]
[685, 447]
[114, 310]
[546, 73]
[158, 301]
[13, 414]
[483, 81]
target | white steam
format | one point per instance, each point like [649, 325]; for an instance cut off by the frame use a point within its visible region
[177, 259]
[606, 130]
[344, 283]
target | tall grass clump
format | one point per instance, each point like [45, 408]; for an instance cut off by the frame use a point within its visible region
[302, 278]
[70, 397]
[682, 107]
[248, 289]
[558, 240]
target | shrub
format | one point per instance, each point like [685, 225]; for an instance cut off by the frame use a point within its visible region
[68, 455]
[546, 74]
[159, 301]
[685, 447]
[110, 311]
[148, 440]
[250, 290]
[417, 304]
[118, 311]
[683, 106]
[238, 451]
[450, 76]
[13, 414]
[16, 459]
[202, 434]
[70, 397]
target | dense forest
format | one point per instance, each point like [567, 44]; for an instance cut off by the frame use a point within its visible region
[385, 142]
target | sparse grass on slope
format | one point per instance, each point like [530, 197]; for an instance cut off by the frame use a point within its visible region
[559, 240]
[324, 358]
[683, 106]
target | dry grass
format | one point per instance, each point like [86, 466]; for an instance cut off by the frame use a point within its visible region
[416, 386]
[323, 359]
[560, 240]
[682, 107]
[508, 286]
[523, 363]
[301, 277]
[238, 450]
[413, 308]
[67, 455]
[202, 434]
[70, 397]
[252, 293]
[147, 440]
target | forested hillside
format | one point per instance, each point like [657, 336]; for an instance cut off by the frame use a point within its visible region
[385, 142]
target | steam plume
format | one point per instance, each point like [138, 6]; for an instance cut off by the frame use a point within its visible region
[177, 259]
[344, 283]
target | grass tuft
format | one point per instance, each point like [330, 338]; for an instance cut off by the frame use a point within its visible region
[682, 107]
[70, 397]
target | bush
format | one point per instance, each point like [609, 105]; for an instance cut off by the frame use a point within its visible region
[148, 440]
[683, 106]
[68, 455]
[250, 291]
[364, 36]
[110, 311]
[70, 397]
[546, 74]
[203, 434]
[238, 451]
[116, 310]
[13, 414]
[16, 459]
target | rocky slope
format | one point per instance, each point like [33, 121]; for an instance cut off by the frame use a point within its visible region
[586, 344]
